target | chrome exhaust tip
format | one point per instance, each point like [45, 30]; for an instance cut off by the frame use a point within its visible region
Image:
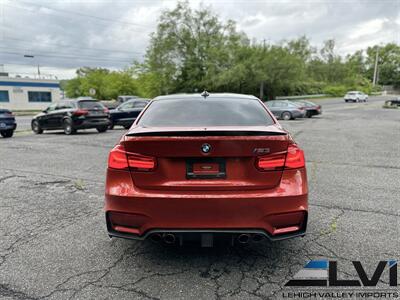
[156, 237]
[243, 238]
[257, 238]
[169, 238]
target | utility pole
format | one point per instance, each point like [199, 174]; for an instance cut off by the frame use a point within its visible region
[375, 79]
[38, 67]
[262, 82]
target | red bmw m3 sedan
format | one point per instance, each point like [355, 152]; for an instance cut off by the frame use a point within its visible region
[206, 167]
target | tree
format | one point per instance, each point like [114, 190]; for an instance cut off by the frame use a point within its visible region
[188, 48]
[388, 63]
[108, 84]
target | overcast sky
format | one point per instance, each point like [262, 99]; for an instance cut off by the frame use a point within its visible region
[64, 35]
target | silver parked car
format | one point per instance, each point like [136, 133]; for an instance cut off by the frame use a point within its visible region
[355, 96]
[285, 109]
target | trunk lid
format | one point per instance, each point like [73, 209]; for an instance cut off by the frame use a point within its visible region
[95, 109]
[229, 164]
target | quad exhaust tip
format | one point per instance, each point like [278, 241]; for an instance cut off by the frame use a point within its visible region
[258, 238]
[169, 238]
[156, 237]
[244, 238]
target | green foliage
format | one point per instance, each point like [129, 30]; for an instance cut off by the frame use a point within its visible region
[335, 90]
[388, 62]
[108, 84]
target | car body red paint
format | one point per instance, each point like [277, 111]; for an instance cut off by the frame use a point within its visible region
[253, 180]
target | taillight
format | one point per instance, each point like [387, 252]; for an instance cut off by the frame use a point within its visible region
[293, 159]
[271, 162]
[301, 108]
[122, 160]
[117, 158]
[139, 162]
[106, 110]
[80, 112]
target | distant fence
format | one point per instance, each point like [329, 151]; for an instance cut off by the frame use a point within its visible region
[391, 90]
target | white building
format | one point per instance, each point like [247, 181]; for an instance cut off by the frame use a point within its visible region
[27, 93]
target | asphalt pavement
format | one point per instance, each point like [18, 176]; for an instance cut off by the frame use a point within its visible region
[54, 245]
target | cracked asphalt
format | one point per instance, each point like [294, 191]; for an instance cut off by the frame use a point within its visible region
[54, 245]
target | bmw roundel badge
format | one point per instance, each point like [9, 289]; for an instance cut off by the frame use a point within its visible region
[205, 148]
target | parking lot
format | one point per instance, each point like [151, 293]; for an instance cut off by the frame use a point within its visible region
[54, 245]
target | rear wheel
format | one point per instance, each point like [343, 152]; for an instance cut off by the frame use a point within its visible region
[286, 116]
[36, 127]
[68, 127]
[7, 133]
[102, 128]
[111, 126]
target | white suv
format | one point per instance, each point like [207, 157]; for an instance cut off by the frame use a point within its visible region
[355, 96]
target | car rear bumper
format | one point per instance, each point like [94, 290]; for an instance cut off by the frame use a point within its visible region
[277, 213]
[299, 114]
[124, 122]
[91, 123]
[7, 126]
[314, 112]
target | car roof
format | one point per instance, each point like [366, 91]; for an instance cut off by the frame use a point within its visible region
[128, 96]
[209, 97]
[134, 100]
[280, 100]
[79, 99]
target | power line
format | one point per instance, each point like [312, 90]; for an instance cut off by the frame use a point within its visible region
[64, 11]
[69, 57]
[52, 52]
[33, 65]
[73, 47]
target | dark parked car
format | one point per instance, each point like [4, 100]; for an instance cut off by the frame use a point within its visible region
[126, 113]
[71, 115]
[122, 99]
[285, 109]
[7, 123]
[312, 109]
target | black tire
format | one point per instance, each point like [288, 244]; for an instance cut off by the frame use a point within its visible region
[345, 100]
[68, 127]
[102, 128]
[111, 126]
[36, 127]
[7, 133]
[286, 115]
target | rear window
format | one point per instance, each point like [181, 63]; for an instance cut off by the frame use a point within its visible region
[210, 112]
[90, 105]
